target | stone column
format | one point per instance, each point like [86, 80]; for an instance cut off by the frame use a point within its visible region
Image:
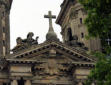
[93, 84]
[28, 82]
[80, 83]
[14, 82]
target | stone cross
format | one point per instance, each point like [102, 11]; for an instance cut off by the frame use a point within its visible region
[50, 16]
[108, 40]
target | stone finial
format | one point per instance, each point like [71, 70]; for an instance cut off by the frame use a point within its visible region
[51, 35]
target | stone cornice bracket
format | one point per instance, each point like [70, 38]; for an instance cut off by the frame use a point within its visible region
[3, 63]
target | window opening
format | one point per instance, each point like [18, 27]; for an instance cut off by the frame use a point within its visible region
[69, 34]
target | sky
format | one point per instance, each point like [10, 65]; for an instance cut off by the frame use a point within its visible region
[28, 16]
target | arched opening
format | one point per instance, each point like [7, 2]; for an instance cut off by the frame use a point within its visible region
[82, 35]
[21, 82]
[81, 21]
[69, 34]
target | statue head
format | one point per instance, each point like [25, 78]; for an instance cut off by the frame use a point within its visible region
[37, 38]
[30, 35]
[19, 40]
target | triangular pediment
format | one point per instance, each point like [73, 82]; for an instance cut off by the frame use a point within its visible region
[61, 51]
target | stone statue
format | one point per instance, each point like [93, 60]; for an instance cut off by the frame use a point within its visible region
[25, 43]
[30, 37]
[37, 39]
[6, 3]
[74, 40]
[19, 41]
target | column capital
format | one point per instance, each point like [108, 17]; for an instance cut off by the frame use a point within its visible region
[14, 82]
[28, 78]
[15, 78]
[28, 82]
[80, 83]
[93, 84]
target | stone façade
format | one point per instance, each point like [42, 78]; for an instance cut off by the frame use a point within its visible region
[5, 6]
[50, 63]
[71, 19]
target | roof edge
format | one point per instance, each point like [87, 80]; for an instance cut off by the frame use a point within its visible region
[63, 6]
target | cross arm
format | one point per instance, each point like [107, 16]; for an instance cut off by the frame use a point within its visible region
[47, 16]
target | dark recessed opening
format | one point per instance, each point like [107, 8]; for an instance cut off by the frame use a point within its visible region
[21, 81]
[3, 30]
[4, 84]
[69, 34]
[3, 42]
[81, 21]
[82, 35]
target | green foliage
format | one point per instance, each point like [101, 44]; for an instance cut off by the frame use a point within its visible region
[98, 23]
[101, 74]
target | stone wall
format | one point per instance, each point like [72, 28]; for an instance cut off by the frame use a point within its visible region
[4, 29]
[20, 70]
[73, 17]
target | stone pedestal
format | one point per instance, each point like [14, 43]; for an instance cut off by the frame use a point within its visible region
[28, 82]
[14, 82]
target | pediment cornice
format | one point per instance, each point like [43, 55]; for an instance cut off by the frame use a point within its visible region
[46, 46]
